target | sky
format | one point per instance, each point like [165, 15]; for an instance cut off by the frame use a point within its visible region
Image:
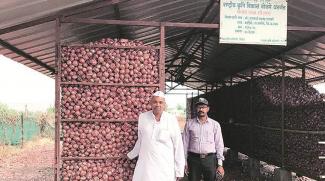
[21, 86]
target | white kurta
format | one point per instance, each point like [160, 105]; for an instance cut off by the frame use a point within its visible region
[159, 147]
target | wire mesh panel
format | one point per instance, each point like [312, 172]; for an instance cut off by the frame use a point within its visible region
[104, 86]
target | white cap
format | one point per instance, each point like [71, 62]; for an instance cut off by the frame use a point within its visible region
[159, 94]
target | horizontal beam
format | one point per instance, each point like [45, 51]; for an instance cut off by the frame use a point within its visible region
[110, 22]
[299, 67]
[315, 79]
[306, 54]
[192, 25]
[27, 24]
[139, 23]
[26, 55]
[170, 24]
[306, 28]
[273, 67]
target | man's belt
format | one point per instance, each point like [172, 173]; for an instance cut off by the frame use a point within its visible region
[200, 155]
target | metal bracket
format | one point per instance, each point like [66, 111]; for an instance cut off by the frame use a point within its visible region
[322, 158]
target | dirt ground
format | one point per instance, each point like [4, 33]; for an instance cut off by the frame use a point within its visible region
[33, 163]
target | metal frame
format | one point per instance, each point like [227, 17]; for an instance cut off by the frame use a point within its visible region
[251, 123]
[110, 84]
[188, 43]
[162, 26]
[25, 55]
[283, 88]
[58, 84]
[57, 101]
[282, 128]
[322, 157]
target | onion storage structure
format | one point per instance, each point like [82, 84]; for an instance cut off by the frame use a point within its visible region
[279, 120]
[103, 86]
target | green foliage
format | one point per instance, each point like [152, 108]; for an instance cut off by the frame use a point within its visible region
[8, 115]
[11, 116]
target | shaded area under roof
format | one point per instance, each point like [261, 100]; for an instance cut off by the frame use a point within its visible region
[194, 57]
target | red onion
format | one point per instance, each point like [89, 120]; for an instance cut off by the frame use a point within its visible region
[104, 102]
[118, 170]
[107, 65]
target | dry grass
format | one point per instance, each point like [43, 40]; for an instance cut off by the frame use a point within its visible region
[8, 150]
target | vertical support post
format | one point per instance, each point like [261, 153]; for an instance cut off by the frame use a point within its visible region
[322, 158]
[282, 111]
[251, 126]
[162, 58]
[254, 165]
[187, 107]
[22, 129]
[57, 100]
[192, 106]
[203, 42]
[303, 73]
[254, 169]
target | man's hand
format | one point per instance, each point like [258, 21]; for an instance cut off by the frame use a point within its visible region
[221, 170]
[178, 178]
[186, 170]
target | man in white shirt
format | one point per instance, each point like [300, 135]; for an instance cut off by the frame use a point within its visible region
[159, 145]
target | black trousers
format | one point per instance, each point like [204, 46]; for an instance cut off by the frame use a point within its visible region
[199, 167]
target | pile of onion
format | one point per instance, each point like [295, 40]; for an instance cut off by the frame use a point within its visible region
[109, 65]
[104, 102]
[98, 139]
[106, 170]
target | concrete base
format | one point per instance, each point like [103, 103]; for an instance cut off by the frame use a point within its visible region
[254, 169]
[282, 175]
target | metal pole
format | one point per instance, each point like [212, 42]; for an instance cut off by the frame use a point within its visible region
[162, 58]
[187, 108]
[192, 106]
[57, 101]
[22, 129]
[303, 73]
[251, 113]
[282, 111]
[202, 47]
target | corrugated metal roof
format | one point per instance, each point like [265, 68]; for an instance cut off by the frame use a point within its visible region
[30, 27]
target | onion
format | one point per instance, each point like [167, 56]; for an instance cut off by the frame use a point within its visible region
[97, 170]
[303, 110]
[103, 102]
[107, 65]
[103, 139]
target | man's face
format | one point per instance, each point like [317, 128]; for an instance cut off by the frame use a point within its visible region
[202, 110]
[157, 104]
